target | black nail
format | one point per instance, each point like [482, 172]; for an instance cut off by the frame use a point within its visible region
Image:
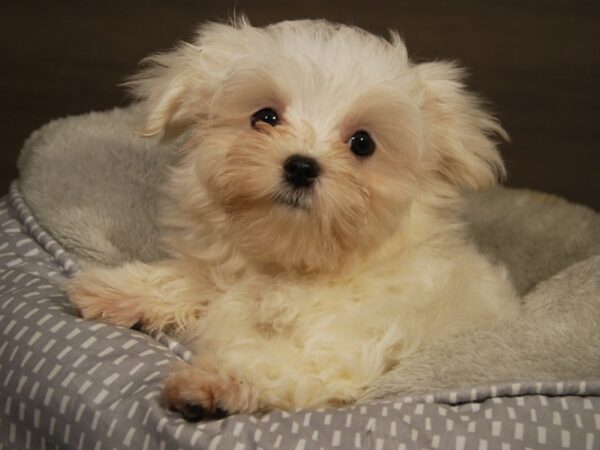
[194, 413]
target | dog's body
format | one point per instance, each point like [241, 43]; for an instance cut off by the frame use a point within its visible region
[314, 218]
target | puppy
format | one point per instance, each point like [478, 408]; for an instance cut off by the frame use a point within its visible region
[313, 219]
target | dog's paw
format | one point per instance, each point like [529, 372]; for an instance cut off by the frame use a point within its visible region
[96, 298]
[199, 394]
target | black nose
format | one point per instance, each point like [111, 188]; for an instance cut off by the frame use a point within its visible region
[301, 171]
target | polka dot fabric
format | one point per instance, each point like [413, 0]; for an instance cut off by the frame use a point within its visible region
[67, 383]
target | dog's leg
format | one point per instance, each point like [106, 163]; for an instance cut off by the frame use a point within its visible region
[266, 378]
[157, 296]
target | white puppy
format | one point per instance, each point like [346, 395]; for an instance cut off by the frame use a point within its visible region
[313, 222]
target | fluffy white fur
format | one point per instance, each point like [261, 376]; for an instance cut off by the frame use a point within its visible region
[287, 306]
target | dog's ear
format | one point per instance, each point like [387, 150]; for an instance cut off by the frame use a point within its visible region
[175, 88]
[458, 130]
[163, 86]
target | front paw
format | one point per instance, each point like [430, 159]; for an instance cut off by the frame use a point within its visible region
[95, 297]
[199, 394]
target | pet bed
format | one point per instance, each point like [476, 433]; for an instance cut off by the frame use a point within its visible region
[87, 194]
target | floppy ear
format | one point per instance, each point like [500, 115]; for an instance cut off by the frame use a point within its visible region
[459, 131]
[176, 87]
[164, 87]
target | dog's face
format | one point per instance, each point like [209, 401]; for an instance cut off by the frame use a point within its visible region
[313, 139]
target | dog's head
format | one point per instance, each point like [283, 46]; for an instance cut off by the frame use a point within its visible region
[313, 139]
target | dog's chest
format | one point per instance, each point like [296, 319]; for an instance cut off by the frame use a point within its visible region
[301, 310]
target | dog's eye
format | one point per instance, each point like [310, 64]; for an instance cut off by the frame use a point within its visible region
[361, 144]
[266, 115]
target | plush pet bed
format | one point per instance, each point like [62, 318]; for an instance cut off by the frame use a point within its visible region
[88, 195]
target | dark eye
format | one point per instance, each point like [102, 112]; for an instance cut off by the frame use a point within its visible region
[361, 144]
[266, 115]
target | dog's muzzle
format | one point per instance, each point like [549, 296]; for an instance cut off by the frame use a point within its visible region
[300, 173]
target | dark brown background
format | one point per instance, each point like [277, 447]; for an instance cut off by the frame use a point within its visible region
[537, 61]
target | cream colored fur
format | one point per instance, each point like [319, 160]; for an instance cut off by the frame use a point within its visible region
[300, 307]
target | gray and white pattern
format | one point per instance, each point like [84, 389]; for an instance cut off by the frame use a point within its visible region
[69, 383]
